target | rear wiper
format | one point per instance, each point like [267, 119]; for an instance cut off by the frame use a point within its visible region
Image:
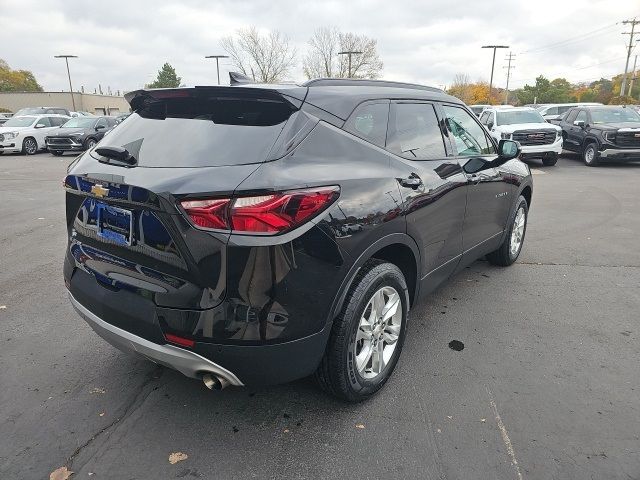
[118, 154]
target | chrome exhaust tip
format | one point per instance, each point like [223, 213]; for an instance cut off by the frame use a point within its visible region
[214, 382]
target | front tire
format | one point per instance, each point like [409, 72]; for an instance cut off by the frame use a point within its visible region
[29, 146]
[89, 143]
[367, 337]
[550, 159]
[511, 246]
[590, 155]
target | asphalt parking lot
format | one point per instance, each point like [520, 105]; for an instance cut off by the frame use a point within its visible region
[547, 385]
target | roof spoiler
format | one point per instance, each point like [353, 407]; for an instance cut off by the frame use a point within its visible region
[236, 78]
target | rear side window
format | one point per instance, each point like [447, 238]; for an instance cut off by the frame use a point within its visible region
[57, 121]
[414, 132]
[484, 118]
[469, 137]
[369, 121]
[582, 116]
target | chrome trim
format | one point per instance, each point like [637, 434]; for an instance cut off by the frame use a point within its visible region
[186, 362]
[613, 152]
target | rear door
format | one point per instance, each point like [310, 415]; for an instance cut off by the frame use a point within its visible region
[489, 192]
[432, 185]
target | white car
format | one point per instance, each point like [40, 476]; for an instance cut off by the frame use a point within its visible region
[26, 133]
[538, 138]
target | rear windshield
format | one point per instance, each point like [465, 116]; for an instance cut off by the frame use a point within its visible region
[197, 142]
[80, 122]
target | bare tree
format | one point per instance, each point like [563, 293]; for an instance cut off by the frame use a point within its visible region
[266, 58]
[322, 59]
[461, 87]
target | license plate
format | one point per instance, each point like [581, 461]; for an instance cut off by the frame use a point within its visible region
[115, 224]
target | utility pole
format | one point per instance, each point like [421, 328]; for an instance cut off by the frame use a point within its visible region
[66, 59]
[217, 57]
[633, 24]
[633, 75]
[493, 62]
[510, 57]
[349, 53]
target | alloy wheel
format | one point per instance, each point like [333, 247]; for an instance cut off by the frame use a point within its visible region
[517, 232]
[378, 332]
[30, 146]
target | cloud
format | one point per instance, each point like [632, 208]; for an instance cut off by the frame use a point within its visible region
[123, 44]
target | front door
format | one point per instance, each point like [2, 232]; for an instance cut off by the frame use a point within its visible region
[489, 192]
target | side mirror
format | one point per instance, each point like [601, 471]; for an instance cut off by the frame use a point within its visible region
[489, 125]
[100, 127]
[508, 149]
[579, 123]
[40, 125]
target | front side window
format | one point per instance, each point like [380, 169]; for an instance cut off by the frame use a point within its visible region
[57, 121]
[551, 111]
[369, 121]
[468, 136]
[415, 132]
[101, 123]
[582, 117]
[44, 121]
[571, 116]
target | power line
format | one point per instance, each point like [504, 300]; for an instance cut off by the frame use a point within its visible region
[581, 37]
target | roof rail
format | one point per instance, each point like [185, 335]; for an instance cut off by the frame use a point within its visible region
[348, 82]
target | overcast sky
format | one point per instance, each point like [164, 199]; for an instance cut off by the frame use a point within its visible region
[122, 44]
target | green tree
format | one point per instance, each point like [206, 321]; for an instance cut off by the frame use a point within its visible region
[17, 80]
[167, 78]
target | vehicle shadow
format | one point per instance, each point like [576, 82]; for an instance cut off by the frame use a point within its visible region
[576, 158]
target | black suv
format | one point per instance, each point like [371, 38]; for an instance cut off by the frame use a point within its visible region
[256, 234]
[79, 133]
[602, 133]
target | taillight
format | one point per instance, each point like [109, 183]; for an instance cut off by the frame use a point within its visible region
[267, 214]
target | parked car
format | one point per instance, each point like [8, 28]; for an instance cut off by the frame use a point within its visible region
[43, 111]
[26, 133]
[291, 228]
[602, 133]
[478, 109]
[79, 133]
[537, 138]
[554, 111]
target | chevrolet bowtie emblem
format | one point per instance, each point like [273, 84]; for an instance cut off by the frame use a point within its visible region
[99, 191]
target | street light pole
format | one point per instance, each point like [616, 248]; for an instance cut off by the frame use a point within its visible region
[493, 62]
[66, 59]
[217, 57]
[349, 53]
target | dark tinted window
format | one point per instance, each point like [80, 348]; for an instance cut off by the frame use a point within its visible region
[564, 109]
[468, 136]
[369, 121]
[571, 116]
[415, 133]
[101, 123]
[194, 142]
[57, 121]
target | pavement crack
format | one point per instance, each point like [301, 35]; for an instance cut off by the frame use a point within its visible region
[136, 402]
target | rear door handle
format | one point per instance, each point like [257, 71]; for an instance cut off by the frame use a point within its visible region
[412, 181]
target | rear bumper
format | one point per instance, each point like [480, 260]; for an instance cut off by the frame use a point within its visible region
[620, 154]
[186, 362]
[243, 364]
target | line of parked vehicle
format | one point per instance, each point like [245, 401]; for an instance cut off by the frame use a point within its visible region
[597, 132]
[31, 130]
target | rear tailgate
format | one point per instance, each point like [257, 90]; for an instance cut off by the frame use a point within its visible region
[125, 227]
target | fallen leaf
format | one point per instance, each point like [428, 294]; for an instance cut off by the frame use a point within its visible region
[176, 457]
[60, 474]
[483, 420]
[359, 425]
[101, 414]
[98, 390]
[449, 417]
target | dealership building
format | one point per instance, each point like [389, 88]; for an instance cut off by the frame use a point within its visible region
[85, 102]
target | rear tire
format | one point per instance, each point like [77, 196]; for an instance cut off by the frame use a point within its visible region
[29, 146]
[511, 246]
[363, 348]
[550, 160]
[590, 155]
